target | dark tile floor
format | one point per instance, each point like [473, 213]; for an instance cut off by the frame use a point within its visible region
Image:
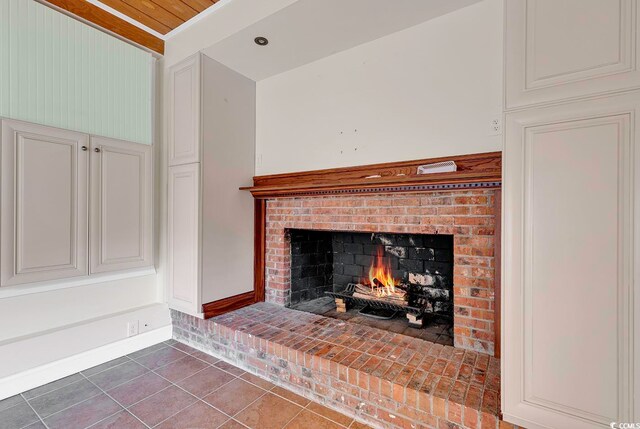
[168, 386]
[436, 329]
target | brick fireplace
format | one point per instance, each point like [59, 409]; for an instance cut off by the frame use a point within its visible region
[468, 215]
[444, 227]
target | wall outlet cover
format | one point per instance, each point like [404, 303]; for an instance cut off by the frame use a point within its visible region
[132, 328]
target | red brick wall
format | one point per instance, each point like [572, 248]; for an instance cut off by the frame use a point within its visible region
[467, 214]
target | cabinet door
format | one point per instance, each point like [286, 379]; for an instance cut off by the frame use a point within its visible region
[184, 112]
[121, 218]
[44, 203]
[183, 242]
[558, 50]
[568, 246]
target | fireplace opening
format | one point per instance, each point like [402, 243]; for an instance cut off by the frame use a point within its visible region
[402, 283]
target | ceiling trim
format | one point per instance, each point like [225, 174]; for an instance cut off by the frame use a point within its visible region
[127, 18]
[105, 20]
[105, 17]
[208, 11]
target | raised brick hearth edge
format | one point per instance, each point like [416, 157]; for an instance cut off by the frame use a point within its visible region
[385, 380]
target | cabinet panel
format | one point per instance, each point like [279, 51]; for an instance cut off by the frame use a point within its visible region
[183, 241]
[121, 231]
[559, 50]
[568, 237]
[44, 203]
[184, 112]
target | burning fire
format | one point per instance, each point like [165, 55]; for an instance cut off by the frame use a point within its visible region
[380, 278]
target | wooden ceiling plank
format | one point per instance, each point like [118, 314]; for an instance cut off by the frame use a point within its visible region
[199, 5]
[141, 17]
[178, 8]
[104, 19]
[156, 12]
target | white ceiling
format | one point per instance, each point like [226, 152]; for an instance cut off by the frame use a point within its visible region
[309, 30]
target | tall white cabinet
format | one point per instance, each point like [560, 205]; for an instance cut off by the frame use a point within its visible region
[211, 133]
[571, 202]
[71, 204]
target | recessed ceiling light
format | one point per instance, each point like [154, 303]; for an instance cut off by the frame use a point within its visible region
[261, 41]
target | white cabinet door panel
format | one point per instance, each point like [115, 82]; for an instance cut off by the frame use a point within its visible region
[567, 249]
[565, 49]
[184, 112]
[44, 203]
[183, 241]
[121, 225]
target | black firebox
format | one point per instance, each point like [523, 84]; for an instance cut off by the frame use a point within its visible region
[333, 261]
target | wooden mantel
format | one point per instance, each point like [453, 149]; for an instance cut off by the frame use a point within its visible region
[477, 170]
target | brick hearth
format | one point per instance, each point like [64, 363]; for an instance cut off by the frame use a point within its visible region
[384, 379]
[469, 215]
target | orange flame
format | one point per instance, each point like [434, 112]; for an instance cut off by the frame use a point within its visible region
[380, 278]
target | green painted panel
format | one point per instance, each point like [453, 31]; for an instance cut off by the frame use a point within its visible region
[57, 71]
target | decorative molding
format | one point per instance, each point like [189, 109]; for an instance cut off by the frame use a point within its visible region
[474, 171]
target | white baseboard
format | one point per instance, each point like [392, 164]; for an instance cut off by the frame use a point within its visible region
[47, 373]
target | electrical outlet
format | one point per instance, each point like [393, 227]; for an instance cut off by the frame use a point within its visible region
[495, 126]
[132, 328]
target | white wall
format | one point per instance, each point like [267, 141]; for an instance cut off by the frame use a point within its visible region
[423, 92]
[34, 313]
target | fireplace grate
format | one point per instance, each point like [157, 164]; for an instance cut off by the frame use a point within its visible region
[419, 311]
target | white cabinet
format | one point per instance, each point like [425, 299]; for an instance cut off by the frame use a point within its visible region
[184, 111]
[210, 232]
[121, 234]
[570, 246]
[183, 241]
[560, 50]
[44, 207]
[72, 205]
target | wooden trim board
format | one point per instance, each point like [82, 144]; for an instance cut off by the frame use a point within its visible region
[497, 295]
[226, 305]
[477, 170]
[260, 221]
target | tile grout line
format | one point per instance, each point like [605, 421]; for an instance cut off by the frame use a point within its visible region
[179, 387]
[288, 390]
[171, 383]
[51, 391]
[353, 419]
[328, 418]
[107, 369]
[186, 391]
[271, 391]
[113, 399]
[66, 408]
[36, 413]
